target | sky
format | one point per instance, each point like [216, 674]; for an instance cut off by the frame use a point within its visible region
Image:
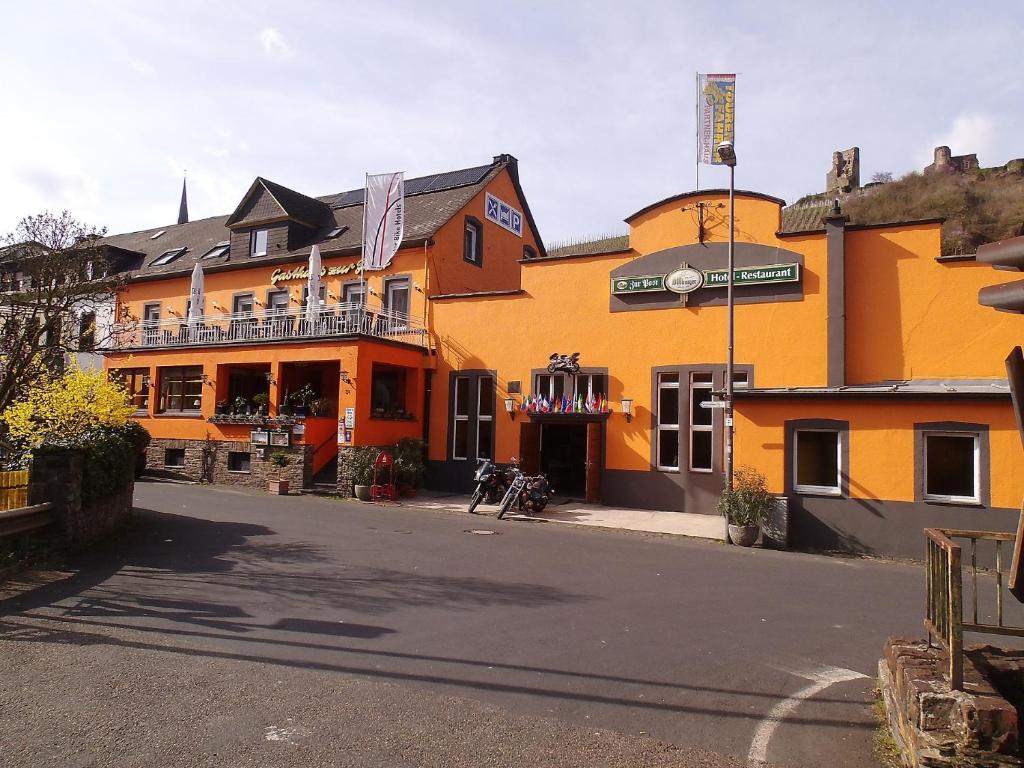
[109, 104]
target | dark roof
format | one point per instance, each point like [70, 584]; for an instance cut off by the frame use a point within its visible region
[430, 202]
[915, 388]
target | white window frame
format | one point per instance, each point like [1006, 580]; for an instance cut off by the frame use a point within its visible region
[976, 498]
[457, 417]
[549, 391]
[482, 416]
[471, 247]
[709, 385]
[659, 428]
[818, 490]
[254, 242]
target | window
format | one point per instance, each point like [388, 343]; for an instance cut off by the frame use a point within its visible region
[460, 430]
[167, 257]
[181, 389]
[701, 423]
[484, 417]
[816, 461]
[951, 467]
[87, 332]
[388, 392]
[242, 304]
[151, 313]
[396, 296]
[472, 243]
[258, 242]
[550, 385]
[136, 383]
[740, 380]
[174, 457]
[352, 293]
[277, 301]
[335, 232]
[590, 385]
[220, 249]
[529, 252]
[668, 422]
[305, 294]
[239, 461]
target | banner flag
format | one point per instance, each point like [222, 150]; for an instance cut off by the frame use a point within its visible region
[383, 219]
[716, 111]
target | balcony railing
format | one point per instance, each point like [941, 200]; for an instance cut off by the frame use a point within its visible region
[331, 320]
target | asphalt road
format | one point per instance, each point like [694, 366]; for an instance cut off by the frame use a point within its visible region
[564, 645]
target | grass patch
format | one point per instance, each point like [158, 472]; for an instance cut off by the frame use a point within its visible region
[884, 746]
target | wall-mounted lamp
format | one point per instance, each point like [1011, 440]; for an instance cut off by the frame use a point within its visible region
[256, 301]
[417, 287]
[270, 378]
[510, 406]
[215, 305]
[627, 408]
[208, 381]
[344, 375]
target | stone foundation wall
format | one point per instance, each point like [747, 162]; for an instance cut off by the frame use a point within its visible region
[209, 461]
[973, 728]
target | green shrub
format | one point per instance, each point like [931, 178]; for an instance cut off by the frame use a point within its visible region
[109, 463]
[279, 459]
[360, 463]
[748, 502]
[409, 467]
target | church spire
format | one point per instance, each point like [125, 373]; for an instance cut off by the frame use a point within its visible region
[183, 209]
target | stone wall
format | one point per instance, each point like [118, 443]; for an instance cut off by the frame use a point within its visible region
[973, 728]
[210, 461]
[55, 477]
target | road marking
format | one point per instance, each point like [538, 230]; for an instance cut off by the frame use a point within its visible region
[821, 678]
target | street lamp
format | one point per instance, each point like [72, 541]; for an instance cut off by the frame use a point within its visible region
[728, 156]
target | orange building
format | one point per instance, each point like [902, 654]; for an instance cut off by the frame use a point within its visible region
[870, 387]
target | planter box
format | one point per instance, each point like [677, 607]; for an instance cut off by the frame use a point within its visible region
[279, 487]
[363, 492]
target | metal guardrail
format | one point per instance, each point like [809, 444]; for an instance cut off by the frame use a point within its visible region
[330, 320]
[17, 521]
[944, 569]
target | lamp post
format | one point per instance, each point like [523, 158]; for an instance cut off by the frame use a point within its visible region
[728, 156]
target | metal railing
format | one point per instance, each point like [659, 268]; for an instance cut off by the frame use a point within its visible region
[18, 521]
[330, 320]
[945, 615]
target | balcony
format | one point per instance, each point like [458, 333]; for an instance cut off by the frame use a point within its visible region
[332, 321]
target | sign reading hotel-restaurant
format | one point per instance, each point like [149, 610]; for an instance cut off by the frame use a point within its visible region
[686, 280]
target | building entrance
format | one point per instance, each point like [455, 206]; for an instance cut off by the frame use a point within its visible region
[563, 457]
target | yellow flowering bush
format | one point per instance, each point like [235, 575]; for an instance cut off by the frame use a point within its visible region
[66, 408]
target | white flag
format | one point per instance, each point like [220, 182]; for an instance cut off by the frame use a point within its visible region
[383, 219]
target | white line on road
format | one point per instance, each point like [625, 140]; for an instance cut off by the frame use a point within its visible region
[821, 679]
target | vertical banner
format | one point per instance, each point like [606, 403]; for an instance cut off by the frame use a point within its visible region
[383, 219]
[716, 111]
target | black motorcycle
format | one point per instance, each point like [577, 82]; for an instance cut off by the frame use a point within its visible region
[530, 494]
[491, 484]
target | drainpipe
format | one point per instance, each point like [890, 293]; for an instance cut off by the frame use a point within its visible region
[835, 261]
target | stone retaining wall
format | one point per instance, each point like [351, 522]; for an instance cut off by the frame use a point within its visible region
[973, 728]
[209, 461]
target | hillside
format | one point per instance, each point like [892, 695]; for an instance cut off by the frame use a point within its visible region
[979, 207]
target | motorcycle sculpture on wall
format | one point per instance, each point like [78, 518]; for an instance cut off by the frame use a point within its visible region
[564, 363]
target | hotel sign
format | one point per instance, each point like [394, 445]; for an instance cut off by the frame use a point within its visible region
[302, 273]
[687, 280]
[503, 214]
[770, 273]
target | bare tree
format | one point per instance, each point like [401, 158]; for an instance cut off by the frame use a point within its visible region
[56, 278]
[882, 177]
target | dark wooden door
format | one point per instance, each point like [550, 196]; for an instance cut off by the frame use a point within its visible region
[593, 495]
[529, 448]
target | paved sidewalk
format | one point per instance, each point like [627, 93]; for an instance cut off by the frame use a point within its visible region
[580, 513]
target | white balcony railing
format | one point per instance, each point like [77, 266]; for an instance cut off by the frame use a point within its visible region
[331, 320]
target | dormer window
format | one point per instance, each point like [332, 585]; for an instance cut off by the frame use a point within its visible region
[335, 232]
[258, 242]
[167, 257]
[156, 235]
[220, 249]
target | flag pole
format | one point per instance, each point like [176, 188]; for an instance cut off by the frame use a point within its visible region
[696, 128]
[362, 253]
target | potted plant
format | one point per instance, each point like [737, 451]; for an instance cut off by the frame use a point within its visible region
[409, 466]
[360, 464]
[319, 406]
[239, 406]
[746, 505]
[262, 401]
[279, 487]
[222, 408]
[301, 399]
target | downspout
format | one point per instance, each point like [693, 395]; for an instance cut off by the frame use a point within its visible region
[835, 262]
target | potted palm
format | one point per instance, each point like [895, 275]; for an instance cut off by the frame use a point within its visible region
[746, 506]
[277, 486]
[360, 464]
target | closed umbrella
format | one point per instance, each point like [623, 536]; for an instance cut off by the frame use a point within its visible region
[313, 285]
[195, 295]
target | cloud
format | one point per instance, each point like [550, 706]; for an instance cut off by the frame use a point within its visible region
[140, 66]
[971, 133]
[274, 45]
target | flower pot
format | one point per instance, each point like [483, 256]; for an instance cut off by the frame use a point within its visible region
[279, 487]
[363, 492]
[743, 535]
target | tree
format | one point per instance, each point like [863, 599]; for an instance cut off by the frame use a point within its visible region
[56, 278]
[882, 177]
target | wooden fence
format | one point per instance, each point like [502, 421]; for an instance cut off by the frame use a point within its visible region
[13, 490]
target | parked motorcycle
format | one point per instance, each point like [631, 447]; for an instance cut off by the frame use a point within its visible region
[530, 494]
[491, 484]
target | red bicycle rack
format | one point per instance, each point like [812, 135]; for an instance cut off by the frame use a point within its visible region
[383, 478]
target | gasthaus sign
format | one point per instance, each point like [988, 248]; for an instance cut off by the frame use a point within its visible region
[687, 280]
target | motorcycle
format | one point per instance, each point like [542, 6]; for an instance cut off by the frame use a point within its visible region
[491, 484]
[531, 494]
